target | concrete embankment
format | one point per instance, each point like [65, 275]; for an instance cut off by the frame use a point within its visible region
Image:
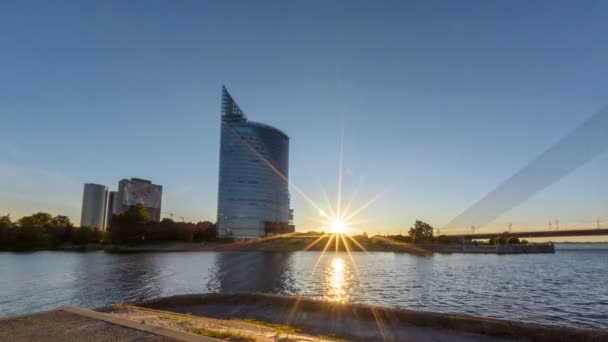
[367, 323]
[82, 325]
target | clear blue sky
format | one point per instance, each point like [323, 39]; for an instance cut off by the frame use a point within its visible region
[440, 101]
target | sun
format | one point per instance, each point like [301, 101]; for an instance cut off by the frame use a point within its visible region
[337, 226]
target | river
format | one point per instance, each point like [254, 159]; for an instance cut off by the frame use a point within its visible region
[568, 287]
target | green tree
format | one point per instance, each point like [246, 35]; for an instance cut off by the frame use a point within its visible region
[36, 220]
[445, 239]
[61, 221]
[84, 235]
[513, 241]
[7, 232]
[136, 214]
[501, 240]
[421, 232]
[5, 222]
[129, 227]
[167, 220]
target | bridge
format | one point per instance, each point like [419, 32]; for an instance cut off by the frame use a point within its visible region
[536, 234]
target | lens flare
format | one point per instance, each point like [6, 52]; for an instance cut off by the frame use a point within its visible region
[337, 226]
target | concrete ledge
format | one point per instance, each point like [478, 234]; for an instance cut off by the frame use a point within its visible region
[280, 307]
[157, 330]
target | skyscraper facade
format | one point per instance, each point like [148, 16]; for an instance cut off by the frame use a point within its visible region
[253, 195]
[138, 191]
[110, 209]
[94, 200]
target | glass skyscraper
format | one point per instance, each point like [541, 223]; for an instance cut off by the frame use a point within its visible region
[94, 199]
[253, 195]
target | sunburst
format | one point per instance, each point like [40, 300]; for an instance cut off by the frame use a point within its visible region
[338, 224]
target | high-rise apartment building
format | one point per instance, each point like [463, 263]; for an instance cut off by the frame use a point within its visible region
[110, 209]
[138, 191]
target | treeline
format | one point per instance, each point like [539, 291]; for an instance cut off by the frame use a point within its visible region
[505, 239]
[134, 227]
[423, 232]
[44, 231]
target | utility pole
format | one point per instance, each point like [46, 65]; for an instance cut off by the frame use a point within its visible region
[182, 218]
[556, 225]
[510, 225]
[598, 223]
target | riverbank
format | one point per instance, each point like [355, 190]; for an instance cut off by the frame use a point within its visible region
[312, 243]
[378, 244]
[362, 322]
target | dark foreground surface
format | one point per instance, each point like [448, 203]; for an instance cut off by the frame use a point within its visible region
[59, 325]
[364, 322]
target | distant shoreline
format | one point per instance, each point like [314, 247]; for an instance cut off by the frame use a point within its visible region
[275, 244]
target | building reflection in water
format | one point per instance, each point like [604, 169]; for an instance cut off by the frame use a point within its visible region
[104, 278]
[253, 272]
[337, 280]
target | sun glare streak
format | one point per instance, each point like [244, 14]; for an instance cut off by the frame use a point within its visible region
[312, 244]
[269, 164]
[293, 310]
[328, 204]
[337, 243]
[337, 221]
[357, 244]
[353, 197]
[410, 247]
[352, 260]
[367, 204]
[316, 219]
[340, 162]
[323, 252]
[379, 322]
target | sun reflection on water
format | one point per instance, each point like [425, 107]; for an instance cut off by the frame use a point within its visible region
[337, 275]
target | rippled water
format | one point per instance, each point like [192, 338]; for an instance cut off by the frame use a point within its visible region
[569, 287]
